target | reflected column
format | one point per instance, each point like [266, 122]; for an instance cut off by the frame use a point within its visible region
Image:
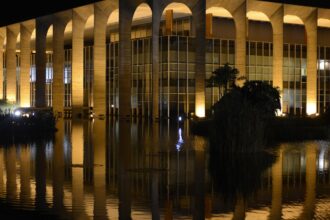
[11, 173]
[2, 183]
[58, 167]
[40, 175]
[310, 196]
[276, 208]
[155, 174]
[124, 163]
[25, 160]
[199, 188]
[99, 145]
[239, 211]
[77, 141]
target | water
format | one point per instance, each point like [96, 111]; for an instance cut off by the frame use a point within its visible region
[108, 170]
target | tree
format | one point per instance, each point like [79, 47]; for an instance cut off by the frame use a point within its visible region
[223, 78]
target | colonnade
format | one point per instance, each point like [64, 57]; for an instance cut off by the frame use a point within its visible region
[238, 9]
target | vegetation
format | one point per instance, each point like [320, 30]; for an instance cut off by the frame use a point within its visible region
[223, 78]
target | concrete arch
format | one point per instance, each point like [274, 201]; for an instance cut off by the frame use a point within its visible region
[2, 48]
[142, 13]
[68, 33]
[323, 22]
[219, 12]
[257, 16]
[49, 38]
[293, 19]
[89, 31]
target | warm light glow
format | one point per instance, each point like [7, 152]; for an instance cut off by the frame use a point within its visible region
[321, 22]
[200, 111]
[311, 108]
[219, 12]
[292, 19]
[257, 16]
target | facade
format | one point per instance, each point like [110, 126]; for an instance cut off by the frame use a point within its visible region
[150, 58]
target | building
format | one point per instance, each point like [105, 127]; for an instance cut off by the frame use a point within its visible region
[151, 57]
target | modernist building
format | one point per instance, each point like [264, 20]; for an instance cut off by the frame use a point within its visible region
[151, 57]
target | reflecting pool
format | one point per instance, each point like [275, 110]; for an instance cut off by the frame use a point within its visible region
[105, 169]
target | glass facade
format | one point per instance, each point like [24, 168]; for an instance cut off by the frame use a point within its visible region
[294, 79]
[67, 78]
[49, 79]
[323, 79]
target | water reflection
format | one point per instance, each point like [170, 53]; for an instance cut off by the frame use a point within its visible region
[107, 169]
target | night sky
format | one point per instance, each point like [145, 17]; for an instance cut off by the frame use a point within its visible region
[11, 14]
[33, 8]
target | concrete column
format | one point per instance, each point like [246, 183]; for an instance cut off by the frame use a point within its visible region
[2, 38]
[99, 87]
[169, 22]
[24, 80]
[58, 66]
[99, 146]
[40, 175]
[125, 58]
[277, 24]
[78, 25]
[239, 16]
[199, 12]
[41, 34]
[276, 207]
[209, 25]
[12, 32]
[311, 32]
[156, 17]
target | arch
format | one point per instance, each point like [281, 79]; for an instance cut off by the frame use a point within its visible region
[68, 33]
[257, 16]
[18, 41]
[219, 12]
[49, 38]
[179, 10]
[293, 19]
[88, 30]
[113, 24]
[323, 22]
[113, 18]
[142, 14]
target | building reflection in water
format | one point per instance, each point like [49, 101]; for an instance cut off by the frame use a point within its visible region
[105, 169]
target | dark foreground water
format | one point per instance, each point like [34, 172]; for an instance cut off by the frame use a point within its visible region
[108, 170]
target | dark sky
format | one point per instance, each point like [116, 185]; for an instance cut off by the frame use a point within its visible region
[15, 11]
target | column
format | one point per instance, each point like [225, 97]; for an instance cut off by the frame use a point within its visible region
[2, 165]
[199, 12]
[125, 58]
[239, 16]
[25, 66]
[2, 38]
[277, 24]
[78, 25]
[41, 34]
[58, 66]
[209, 25]
[12, 32]
[156, 17]
[311, 31]
[99, 145]
[40, 175]
[99, 86]
[276, 207]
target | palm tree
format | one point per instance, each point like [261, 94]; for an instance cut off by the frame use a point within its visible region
[223, 78]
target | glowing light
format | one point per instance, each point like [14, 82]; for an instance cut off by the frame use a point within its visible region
[200, 111]
[322, 64]
[311, 109]
[180, 140]
[112, 106]
[180, 118]
[17, 113]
